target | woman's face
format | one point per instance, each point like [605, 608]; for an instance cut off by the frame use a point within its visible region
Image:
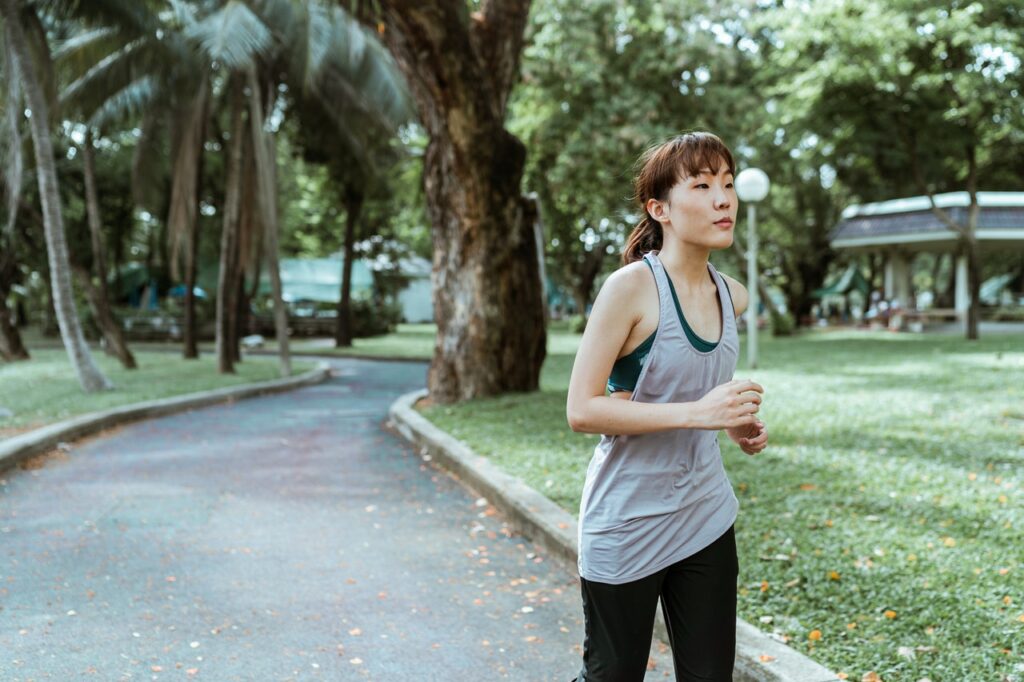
[701, 210]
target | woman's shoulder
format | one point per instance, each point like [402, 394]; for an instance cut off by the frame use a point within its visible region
[738, 292]
[630, 279]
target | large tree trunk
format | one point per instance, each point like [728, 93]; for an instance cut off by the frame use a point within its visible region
[227, 304]
[487, 290]
[265, 153]
[343, 328]
[99, 297]
[89, 375]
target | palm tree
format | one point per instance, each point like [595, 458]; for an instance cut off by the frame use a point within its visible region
[99, 299]
[313, 48]
[89, 375]
[131, 63]
[320, 52]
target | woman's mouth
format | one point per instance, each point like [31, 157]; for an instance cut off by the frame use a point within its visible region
[724, 223]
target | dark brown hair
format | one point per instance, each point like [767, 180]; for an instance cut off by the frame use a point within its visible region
[661, 167]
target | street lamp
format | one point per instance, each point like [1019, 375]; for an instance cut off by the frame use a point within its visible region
[752, 186]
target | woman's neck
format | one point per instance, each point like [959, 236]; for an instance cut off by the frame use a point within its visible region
[686, 263]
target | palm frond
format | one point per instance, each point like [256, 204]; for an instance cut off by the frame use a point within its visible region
[184, 13]
[119, 75]
[127, 104]
[232, 36]
[190, 126]
[320, 41]
[134, 17]
[75, 56]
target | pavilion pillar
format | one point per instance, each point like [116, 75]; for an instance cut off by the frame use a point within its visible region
[889, 277]
[962, 295]
[898, 284]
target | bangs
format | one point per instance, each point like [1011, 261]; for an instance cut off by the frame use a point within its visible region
[683, 156]
[705, 153]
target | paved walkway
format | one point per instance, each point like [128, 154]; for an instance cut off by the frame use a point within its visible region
[287, 537]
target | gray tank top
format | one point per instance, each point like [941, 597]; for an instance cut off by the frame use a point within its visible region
[653, 499]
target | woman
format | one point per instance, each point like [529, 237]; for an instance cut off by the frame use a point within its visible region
[656, 518]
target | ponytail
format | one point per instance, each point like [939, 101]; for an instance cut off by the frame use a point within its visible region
[646, 236]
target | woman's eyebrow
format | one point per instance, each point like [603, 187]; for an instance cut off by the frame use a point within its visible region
[707, 171]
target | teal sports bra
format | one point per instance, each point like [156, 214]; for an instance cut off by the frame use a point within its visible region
[626, 369]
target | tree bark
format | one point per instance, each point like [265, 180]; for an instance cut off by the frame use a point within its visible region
[227, 304]
[89, 375]
[487, 291]
[343, 327]
[265, 153]
[190, 339]
[98, 296]
[11, 346]
[183, 214]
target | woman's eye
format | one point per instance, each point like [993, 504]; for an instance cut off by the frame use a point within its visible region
[702, 186]
[729, 186]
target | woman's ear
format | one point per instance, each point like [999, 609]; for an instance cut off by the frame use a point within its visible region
[657, 210]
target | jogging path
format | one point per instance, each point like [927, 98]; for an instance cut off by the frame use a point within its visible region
[283, 537]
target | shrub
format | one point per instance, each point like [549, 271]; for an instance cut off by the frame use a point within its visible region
[577, 323]
[782, 324]
[373, 318]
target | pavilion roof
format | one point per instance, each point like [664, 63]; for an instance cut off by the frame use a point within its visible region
[909, 220]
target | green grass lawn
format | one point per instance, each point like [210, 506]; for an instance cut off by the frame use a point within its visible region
[883, 528]
[409, 341]
[44, 389]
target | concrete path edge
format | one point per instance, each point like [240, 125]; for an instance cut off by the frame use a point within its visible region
[26, 445]
[759, 658]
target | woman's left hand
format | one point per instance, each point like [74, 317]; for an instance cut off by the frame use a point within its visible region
[752, 438]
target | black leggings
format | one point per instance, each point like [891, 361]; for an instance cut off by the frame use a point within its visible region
[698, 598]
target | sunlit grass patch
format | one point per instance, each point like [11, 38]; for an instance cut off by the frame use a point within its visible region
[45, 389]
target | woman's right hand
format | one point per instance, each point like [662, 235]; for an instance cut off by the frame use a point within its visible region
[734, 403]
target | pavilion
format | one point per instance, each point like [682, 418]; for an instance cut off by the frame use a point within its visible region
[902, 228]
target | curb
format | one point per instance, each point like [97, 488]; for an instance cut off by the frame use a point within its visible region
[759, 658]
[19, 448]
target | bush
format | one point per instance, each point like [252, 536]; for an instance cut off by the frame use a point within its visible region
[782, 324]
[577, 323]
[1008, 314]
[370, 318]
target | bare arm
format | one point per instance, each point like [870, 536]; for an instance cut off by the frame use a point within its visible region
[589, 410]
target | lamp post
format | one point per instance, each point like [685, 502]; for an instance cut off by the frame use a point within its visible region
[752, 186]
